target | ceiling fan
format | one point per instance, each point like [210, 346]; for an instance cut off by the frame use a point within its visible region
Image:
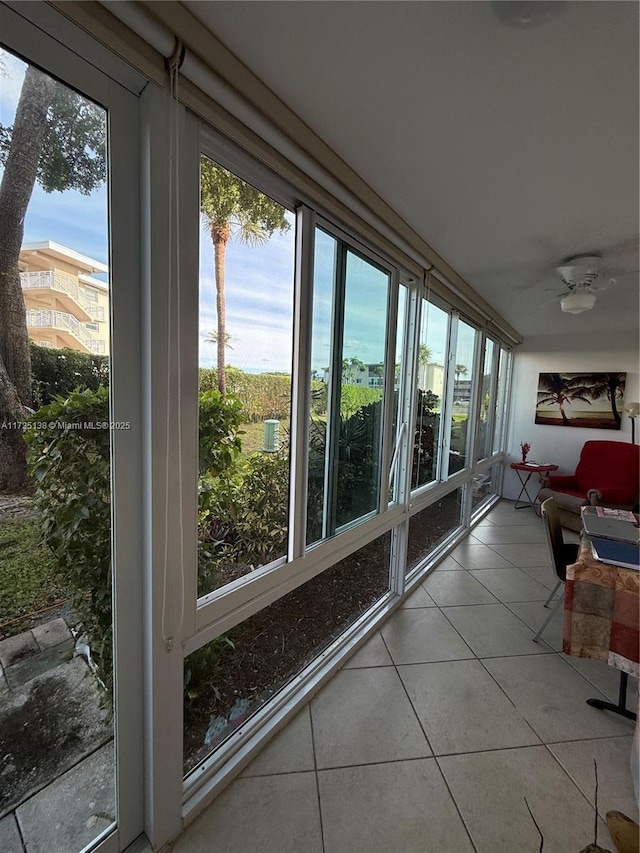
[583, 276]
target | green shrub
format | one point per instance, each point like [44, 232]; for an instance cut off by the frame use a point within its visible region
[243, 516]
[353, 398]
[203, 667]
[57, 372]
[220, 418]
[358, 443]
[261, 512]
[262, 395]
[69, 465]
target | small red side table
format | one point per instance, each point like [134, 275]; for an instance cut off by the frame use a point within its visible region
[529, 468]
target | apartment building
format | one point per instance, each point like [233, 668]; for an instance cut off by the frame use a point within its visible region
[67, 306]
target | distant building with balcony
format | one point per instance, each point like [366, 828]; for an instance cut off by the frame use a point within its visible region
[66, 305]
[358, 373]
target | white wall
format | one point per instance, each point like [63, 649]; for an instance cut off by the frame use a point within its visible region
[606, 352]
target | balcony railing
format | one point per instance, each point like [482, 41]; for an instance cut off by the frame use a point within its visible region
[50, 279]
[49, 319]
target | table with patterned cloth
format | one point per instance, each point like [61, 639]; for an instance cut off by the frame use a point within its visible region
[601, 616]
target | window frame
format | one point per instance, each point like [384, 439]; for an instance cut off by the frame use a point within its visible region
[38, 35]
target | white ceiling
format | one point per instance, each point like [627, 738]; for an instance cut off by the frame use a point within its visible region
[507, 148]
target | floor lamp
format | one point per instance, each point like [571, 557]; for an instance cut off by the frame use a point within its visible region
[632, 410]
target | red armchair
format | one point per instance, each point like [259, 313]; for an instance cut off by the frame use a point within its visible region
[607, 475]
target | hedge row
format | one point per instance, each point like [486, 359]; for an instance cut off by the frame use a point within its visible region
[263, 395]
[57, 372]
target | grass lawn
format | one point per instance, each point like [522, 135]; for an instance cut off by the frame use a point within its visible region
[28, 575]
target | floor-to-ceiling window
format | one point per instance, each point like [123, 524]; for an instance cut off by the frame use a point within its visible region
[70, 653]
[308, 431]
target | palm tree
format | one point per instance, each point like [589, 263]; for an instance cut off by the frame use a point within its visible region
[232, 208]
[424, 355]
[212, 338]
[351, 367]
[557, 389]
[609, 385]
[461, 370]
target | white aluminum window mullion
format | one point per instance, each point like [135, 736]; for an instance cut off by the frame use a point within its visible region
[507, 408]
[475, 401]
[403, 438]
[188, 237]
[477, 372]
[163, 684]
[493, 396]
[447, 403]
[409, 385]
[503, 403]
[332, 434]
[126, 481]
[388, 427]
[301, 389]
[506, 426]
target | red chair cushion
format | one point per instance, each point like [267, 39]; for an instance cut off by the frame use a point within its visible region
[609, 464]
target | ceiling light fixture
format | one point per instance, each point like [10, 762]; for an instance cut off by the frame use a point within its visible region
[577, 301]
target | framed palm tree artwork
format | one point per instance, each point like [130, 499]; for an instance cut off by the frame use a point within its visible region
[591, 400]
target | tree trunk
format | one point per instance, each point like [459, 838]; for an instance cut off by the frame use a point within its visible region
[13, 468]
[17, 185]
[220, 235]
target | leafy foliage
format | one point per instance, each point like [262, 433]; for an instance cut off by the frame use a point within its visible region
[357, 459]
[227, 200]
[69, 465]
[57, 372]
[219, 432]
[243, 518]
[263, 395]
[73, 154]
[203, 667]
[353, 398]
[424, 449]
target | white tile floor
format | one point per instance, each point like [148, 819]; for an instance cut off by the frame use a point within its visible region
[433, 734]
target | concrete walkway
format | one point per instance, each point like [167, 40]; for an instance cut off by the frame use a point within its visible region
[56, 750]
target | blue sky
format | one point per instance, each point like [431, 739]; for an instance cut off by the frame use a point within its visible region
[70, 218]
[259, 291]
[259, 279]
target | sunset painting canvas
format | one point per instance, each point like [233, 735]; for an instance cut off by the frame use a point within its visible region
[580, 399]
